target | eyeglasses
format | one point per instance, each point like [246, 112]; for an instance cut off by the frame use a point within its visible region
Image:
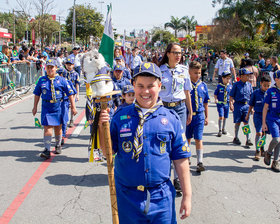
[176, 52]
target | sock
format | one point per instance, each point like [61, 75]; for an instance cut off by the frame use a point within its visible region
[276, 152]
[236, 130]
[220, 125]
[272, 145]
[58, 139]
[48, 142]
[224, 124]
[257, 138]
[199, 155]
[64, 128]
[248, 137]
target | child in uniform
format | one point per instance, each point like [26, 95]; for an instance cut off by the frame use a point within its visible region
[51, 88]
[239, 98]
[271, 121]
[256, 102]
[199, 99]
[221, 96]
[128, 96]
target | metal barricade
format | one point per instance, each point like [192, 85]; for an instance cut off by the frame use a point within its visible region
[16, 78]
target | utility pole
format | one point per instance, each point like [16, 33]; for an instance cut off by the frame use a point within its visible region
[14, 27]
[74, 25]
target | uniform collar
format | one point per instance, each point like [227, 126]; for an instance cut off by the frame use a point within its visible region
[159, 111]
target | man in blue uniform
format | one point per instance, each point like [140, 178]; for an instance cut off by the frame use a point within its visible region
[126, 73]
[146, 137]
[118, 78]
[239, 98]
[221, 96]
[271, 122]
[52, 88]
[199, 99]
[256, 102]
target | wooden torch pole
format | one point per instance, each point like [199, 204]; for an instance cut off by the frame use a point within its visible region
[110, 166]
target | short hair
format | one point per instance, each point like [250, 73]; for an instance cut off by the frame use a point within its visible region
[223, 51]
[261, 55]
[195, 65]
[226, 75]
[266, 78]
[145, 74]
[274, 58]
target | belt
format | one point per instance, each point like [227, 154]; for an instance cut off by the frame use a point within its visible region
[195, 113]
[143, 188]
[52, 101]
[222, 102]
[172, 104]
[242, 102]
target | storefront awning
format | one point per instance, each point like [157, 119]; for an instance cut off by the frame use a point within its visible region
[5, 35]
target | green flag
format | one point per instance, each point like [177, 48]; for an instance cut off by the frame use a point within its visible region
[12, 84]
[261, 142]
[37, 80]
[86, 125]
[107, 43]
[246, 129]
[37, 123]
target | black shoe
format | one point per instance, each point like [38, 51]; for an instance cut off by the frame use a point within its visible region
[267, 158]
[45, 154]
[275, 166]
[236, 141]
[177, 185]
[62, 141]
[249, 143]
[262, 151]
[219, 134]
[57, 149]
[224, 132]
[200, 167]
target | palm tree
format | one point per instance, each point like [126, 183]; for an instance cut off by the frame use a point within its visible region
[176, 24]
[189, 24]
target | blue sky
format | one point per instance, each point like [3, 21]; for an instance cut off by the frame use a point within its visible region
[144, 14]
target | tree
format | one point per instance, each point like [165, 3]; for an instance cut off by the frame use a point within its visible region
[189, 24]
[88, 23]
[167, 37]
[176, 24]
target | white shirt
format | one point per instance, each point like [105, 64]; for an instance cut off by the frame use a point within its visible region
[224, 65]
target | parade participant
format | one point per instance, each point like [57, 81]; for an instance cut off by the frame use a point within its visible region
[52, 88]
[128, 57]
[223, 64]
[261, 61]
[221, 96]
[146, 137]
[271, 122]
[77, 66]
[175, 89]
[128, 96]
[118, 78]
[199, 99]
[126, 72]
[135, 59]
[255, 73]
[70, 74]
[239, 98]
[256, 102]
[267, 67]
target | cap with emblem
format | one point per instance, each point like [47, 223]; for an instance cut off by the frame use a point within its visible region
[276, 75]
[51, 62]
[118, 68]
[70, 60]
[148, 68]
[119, 58]
[244, 71]
[226, 73]
[127, 89]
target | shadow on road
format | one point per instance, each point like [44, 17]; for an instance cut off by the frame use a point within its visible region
[235, 169]
[22, 127]
[91, 180]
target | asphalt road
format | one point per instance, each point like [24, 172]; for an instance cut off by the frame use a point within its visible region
[68, 189]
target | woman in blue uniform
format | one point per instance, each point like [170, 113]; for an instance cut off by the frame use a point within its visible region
[52, 88]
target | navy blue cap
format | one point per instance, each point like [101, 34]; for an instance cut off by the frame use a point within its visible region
[119, 58]
[147, 67]
[70, 60]
[276, 75]
[118, 68]
[51, 62]
[76, 47]
[127, 89]
[244, 71]
[226, 73]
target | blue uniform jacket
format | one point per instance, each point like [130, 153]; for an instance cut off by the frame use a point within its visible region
[73, 76]
[203, 96]
[241, 92]
[121, 83]
[163, 141]
[257, 100]
[272, 98]
[174, 85]
[219, 92]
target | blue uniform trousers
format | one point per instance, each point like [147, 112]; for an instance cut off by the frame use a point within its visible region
[223, 109]
[131, 204]
[274, 127]
[258, 121]
[195, 128]
[240, 112]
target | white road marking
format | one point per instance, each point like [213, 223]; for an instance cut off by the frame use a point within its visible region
[79, 128]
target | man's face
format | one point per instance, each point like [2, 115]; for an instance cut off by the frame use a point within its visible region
[146, 91]
[75, 52]
[223, 55]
